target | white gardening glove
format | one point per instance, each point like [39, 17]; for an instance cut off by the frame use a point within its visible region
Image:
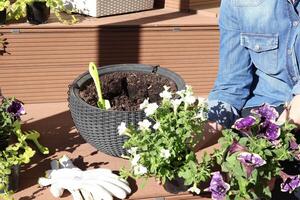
[94, 184]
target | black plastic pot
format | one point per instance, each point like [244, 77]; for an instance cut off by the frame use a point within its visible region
[14, 178]
[175, 186]
[4, 141]
[99, 127]
[3, 16]
[37, 12]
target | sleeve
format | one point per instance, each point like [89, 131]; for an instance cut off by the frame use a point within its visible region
[296, 89]
[235, 74]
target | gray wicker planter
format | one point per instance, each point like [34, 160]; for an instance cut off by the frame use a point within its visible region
[99, 127]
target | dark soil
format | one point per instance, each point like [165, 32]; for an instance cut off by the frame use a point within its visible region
[127, 90]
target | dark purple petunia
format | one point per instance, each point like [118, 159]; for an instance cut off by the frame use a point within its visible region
[244, 124]
[290, 183]
[293, 145]
[250, 161]
[236, 147]
[16, 109]
[270, 130]
[266, 112]
[218, 187]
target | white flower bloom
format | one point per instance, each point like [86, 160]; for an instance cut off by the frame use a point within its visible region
[194, 189]
[144, 125]
[176, 103]
[156, 125]
[181, 93]
[201, 101]
[166, 95]
[122, 129]
[165, 153]
[135, 159]
[140, 170]
[189, 100]
[132, 150]
[144, 104]
[151, 109]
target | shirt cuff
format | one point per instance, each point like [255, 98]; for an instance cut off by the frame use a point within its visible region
[296, 88]
[221, 112]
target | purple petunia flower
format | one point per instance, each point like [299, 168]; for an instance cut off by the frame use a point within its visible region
[218, 187]
[16, 109]
[244, 124]
[250, 161]
[266, 112]
[290, 183]
[293, 145]
[270, 130]
[236, 147]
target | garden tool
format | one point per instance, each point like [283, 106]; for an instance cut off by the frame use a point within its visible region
[102, 103]
[34, 136]
[94, 184]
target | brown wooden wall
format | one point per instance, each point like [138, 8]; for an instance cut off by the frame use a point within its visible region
[39, 64]
[204, 3]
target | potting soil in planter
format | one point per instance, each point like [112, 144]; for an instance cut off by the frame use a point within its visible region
[127, 90]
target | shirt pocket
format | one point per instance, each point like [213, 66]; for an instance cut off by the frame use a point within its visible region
[247, 3]
[263, 49]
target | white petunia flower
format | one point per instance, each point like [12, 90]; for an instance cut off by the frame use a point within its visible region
[189, 100]
[165, 153]
[122, 129]
[135, 159]
[144, 125]
[181, 93]
[166, 95]
[194, 189]
[144, 104]
[156, 125]
[151, 109]
[140, 170]
[176, 103]
[201, 101]
[132, 150]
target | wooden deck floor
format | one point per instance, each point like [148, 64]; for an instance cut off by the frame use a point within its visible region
[54, 122]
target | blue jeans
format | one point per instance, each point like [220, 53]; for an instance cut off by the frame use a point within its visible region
[290, 167]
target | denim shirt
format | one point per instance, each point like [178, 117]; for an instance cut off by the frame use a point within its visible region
[258, 64]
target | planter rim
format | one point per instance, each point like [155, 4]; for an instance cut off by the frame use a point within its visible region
[107, 69]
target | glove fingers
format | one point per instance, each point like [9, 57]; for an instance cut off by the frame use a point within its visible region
[56, 191]
[115, 182]
[98, 192]
[76, 195]
[86, 194]
[114, 190]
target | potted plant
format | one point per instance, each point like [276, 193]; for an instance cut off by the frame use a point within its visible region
[4, 5]
[163, 145]
[14, 149]
[251, 155]
[38, 11]
[125, 86]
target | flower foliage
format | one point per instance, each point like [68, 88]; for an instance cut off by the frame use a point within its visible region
[251, 153]
[162, 145]
[12, 153]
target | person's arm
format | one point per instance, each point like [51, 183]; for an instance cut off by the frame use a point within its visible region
[292, 113]
[235, 75]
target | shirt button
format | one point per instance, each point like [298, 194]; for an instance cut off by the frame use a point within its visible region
[256, 47]
[289, 51]
[295, 23]
[294, 78]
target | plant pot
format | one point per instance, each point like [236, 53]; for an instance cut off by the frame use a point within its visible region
[3, 16]
[175, 186]
[4, 141]
[13, 182]
[37, 12]
[99, 127]
[14, 178]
